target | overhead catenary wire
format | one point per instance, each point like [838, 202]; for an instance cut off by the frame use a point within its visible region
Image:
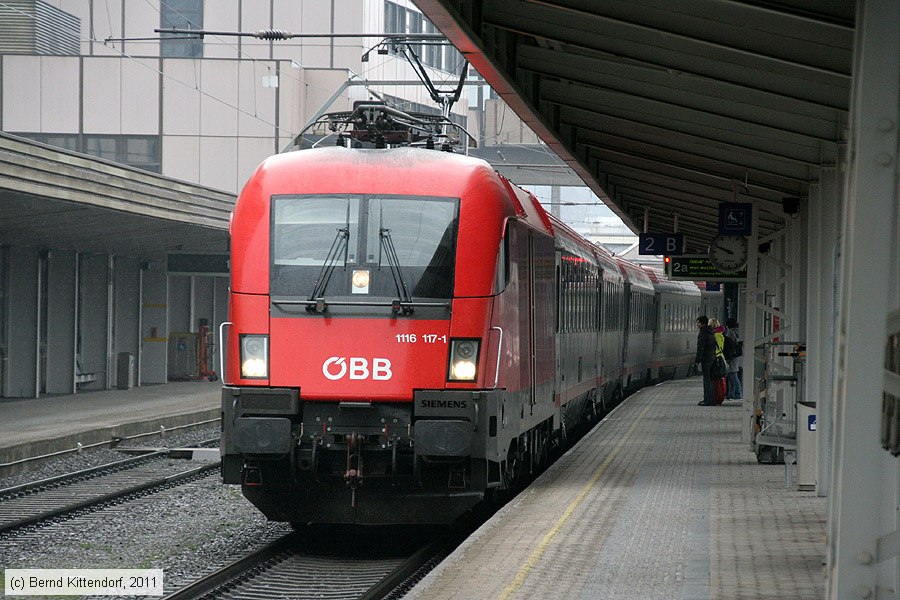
[280, 34]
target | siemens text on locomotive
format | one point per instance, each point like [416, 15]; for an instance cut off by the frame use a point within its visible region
[410, 332]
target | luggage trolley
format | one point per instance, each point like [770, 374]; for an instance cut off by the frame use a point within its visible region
[776, 440]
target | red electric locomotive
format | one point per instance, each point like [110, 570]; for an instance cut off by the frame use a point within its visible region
[409, 332]
[393, 316]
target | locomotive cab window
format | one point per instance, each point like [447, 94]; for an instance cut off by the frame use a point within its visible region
[364, 242]
[501, 273]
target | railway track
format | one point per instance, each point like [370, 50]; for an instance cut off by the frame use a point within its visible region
[287, 568]
[33, 503]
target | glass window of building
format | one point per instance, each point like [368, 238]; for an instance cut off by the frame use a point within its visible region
[432, 56]
[394, 18]
[181, 14]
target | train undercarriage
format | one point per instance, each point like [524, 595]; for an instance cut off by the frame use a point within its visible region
[379, 463]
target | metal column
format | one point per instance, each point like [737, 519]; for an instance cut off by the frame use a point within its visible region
[823, 235]
[863, 528]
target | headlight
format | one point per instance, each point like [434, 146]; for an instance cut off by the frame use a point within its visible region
[463, 360]
[254, 357]
[360, 281]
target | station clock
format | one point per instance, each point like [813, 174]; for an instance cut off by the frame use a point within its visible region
[729, 252]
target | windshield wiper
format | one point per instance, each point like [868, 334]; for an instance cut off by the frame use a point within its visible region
[405, 300]
[338, 246]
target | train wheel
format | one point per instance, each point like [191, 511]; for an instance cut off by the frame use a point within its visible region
[618, 396]
[540, 448]
[514, 467]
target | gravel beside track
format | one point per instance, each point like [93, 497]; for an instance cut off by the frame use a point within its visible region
[99, 456]
[185, 531]
[24, 509]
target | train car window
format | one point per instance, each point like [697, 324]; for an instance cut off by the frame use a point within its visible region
[600, 304]
[585, 326]
[636, 318]
[563, 298]
[607, 315]
[604, 306]
[501, 271]
[614, 307]
[576, 284]
[559, 307]
[665, 317]
[631, 316]
[570, 299]
[579, 300]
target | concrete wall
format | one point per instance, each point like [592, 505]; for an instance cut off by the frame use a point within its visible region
[78, 317]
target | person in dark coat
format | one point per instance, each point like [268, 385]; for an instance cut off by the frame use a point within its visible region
[706, 355]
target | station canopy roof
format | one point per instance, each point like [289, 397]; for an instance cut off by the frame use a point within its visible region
[674, 107]
[55, 199]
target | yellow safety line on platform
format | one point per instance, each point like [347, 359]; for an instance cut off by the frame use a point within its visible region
[538, 552]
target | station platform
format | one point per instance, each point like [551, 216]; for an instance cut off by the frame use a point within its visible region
[660, 501]
[31, 427]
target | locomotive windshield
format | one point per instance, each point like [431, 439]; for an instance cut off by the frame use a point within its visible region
[353, 235]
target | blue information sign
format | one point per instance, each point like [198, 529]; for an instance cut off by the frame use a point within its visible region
[670, 244]
[811, 423]
[735, 218]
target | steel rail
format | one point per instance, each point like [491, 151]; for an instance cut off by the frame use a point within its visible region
[110, 498]
[223, 575]
[111, 467]
[162, 431]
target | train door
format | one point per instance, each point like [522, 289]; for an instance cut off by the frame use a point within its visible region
[521, 255]
[627, 306]
[543, 316]
[532, 315]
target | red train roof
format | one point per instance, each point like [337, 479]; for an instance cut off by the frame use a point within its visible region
[635, 275]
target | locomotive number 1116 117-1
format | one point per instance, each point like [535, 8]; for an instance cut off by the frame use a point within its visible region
[426, 338]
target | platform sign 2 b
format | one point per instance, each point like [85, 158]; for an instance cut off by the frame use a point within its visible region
[670, 244]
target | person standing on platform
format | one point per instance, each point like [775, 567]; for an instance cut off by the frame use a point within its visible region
[717, 378]
[706, 355]
[734, 359]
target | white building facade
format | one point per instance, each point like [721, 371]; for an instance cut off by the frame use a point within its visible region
[84, 278]
[204, 110]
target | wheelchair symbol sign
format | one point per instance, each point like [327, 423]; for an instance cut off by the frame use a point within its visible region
[734, 218]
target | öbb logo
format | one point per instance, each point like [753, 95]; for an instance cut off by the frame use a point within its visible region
[337, 367]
